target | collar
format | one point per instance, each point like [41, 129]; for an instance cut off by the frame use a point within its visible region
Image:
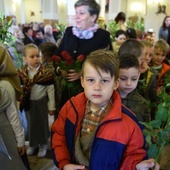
[85, 34]
[157, 67]
[100, 110]
[29, 68]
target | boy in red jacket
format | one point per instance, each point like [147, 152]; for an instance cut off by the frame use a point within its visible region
[94, 130]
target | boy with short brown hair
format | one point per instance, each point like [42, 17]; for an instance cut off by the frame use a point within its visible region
[93, 130]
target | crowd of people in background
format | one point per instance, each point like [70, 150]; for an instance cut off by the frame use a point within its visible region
[88, 120]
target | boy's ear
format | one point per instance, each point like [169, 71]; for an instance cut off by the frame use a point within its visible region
[82, 81]
[116, 85]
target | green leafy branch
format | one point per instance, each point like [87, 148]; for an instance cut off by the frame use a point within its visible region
[5, 36]
[138, 25]
[61, 28]
[113, 27]
[157, 131]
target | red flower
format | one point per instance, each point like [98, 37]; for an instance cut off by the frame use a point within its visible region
[56, 58]
[80, 57]
[67, 58]
[66, 63]
[65, 55]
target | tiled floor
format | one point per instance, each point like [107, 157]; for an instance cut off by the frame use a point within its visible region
[45, 163]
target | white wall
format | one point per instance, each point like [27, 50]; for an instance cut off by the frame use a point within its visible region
[153, 20]
[32, 6]
[2, 9]
[23, 12]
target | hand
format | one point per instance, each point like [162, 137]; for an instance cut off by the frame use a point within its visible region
[21, 150]
[74, 167]
[73, 75]
[147, 164]
[51, 112]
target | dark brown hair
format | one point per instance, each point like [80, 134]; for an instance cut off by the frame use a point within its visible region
[48, 49]
[127, 61]
[163, 23]
[131, 46]
[94, 7]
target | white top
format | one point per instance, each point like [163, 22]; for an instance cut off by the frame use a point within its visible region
[39, 91]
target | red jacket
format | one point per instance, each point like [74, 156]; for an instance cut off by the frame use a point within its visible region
[118, 142]
[165, 69]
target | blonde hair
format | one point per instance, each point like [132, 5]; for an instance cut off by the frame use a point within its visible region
[27, 47]
[146, 43]
[162, 45]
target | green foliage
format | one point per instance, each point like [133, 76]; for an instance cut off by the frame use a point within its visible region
[5, 35]
[139, 25]
[61, 28]
[113, 28]
[157, 131]
[130, 23]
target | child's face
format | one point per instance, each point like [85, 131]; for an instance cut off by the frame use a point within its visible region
[151, 37]
[32, 57]
[128, 80]
[120, 39]
[148, 54]
[98, 89]
[158, 57]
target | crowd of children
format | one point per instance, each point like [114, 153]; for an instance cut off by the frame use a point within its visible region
[100, 127]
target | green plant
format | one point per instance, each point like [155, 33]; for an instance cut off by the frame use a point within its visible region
[130, 23]
[61, 28]
[5, 35]
[113, 28]
[157, 131]
[138, 25]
